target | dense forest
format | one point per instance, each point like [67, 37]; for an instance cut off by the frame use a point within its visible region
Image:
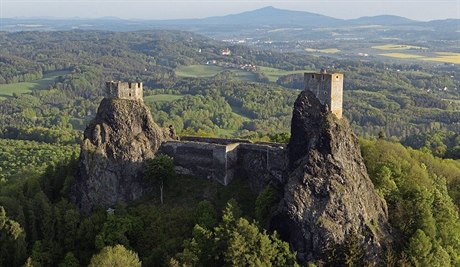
[41, 225]
[388, 105]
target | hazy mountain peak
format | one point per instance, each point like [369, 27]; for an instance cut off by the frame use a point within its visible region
[270, 15]
[381, 19]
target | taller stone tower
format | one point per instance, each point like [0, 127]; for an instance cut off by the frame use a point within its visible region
[328, 88]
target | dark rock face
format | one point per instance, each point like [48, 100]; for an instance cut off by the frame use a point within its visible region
[116, 144]
[328, 195]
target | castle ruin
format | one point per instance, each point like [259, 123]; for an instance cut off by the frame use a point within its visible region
[123, 90]
[328, 88]
[222, 159]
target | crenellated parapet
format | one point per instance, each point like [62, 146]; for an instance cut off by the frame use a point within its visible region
[123, 90]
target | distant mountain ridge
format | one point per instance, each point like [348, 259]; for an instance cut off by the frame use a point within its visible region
[382, 19]
[271, 16]
[264, 16]
[266, 23]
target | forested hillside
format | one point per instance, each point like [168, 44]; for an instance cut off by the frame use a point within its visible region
[401, 101]
[51, 84]
[41, 224]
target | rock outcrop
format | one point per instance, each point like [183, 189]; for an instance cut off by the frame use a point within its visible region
[328, 197]
[116, 144]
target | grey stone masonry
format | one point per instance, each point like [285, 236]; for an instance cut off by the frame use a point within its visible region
[123, 90]
[328, 88]
[222, 159]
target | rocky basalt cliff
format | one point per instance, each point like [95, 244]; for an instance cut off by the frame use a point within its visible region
[328, 196]
[115, 147]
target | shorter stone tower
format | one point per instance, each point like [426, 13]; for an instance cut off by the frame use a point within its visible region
[123, 90]
[328, 88]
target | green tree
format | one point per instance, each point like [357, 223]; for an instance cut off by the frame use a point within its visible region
[69, 261]
[117, 256]
[420, 248]
[234, 242]
[12, 241]
[386, 186]
[114, 231]
[266, 205]
[160, 170]
[205, 214]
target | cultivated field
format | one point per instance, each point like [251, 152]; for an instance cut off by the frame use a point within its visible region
[444, 57]
[325, 51]
[401, 55]
[390, 47]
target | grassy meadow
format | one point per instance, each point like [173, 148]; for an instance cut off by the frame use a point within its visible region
[207, 71]
[162, 98]
[7, 90]
[198, 71]
[273, 74]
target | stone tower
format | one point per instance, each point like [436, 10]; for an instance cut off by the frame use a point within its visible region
[328, 88]
[123, 90]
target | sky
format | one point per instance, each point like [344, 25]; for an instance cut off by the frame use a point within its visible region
[177, 9]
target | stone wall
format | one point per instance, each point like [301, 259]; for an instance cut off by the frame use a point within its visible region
[213, 140]
[222, 160]
[204, 160]
[261, 164]
[124, 90]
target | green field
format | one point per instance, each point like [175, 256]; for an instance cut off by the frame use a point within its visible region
[207, 71]
[273, 74]
[7, 90]
[198, 71]
[245, 76]
[162, 98]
